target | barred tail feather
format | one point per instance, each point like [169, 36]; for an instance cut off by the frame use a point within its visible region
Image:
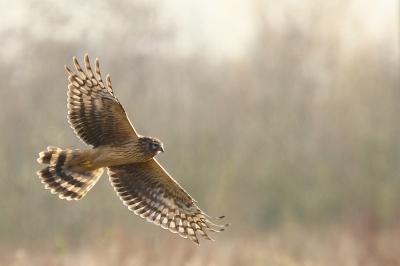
[56, 177]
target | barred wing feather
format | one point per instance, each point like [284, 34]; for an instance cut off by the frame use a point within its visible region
[95, 114]
[148, 190]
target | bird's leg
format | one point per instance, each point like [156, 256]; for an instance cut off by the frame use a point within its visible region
[87, 164]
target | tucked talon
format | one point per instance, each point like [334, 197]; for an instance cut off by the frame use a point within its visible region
[87, 164]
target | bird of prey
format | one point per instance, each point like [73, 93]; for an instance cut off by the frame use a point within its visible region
[143, 185]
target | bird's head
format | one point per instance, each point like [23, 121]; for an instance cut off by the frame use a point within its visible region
[153, 145]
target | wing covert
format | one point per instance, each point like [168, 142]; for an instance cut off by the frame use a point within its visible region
[150, 192]
[95, 114]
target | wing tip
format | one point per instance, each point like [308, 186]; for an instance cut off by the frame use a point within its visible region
[70, 72]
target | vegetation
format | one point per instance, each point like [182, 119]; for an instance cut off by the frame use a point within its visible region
[298, 143]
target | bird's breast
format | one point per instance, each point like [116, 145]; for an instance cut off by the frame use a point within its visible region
[120, 154]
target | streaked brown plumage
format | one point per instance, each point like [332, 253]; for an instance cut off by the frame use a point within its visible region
[143, 185]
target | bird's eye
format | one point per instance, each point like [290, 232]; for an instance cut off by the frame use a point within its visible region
[156, 146]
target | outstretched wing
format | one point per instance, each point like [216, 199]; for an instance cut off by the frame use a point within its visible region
[149, 191]
[95, 114]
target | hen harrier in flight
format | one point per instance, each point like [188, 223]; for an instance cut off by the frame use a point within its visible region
[143, 185]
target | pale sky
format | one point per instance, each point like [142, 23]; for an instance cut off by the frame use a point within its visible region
[216, 28]
[226, 27]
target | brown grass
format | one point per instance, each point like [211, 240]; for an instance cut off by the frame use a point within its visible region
[290, 247]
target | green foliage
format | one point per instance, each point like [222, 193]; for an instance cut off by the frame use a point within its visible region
[60, 247]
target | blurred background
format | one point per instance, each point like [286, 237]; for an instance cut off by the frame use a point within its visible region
[282, 115]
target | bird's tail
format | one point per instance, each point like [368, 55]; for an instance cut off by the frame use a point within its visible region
[57, 177]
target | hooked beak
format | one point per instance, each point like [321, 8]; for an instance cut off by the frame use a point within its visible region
[162, 149]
